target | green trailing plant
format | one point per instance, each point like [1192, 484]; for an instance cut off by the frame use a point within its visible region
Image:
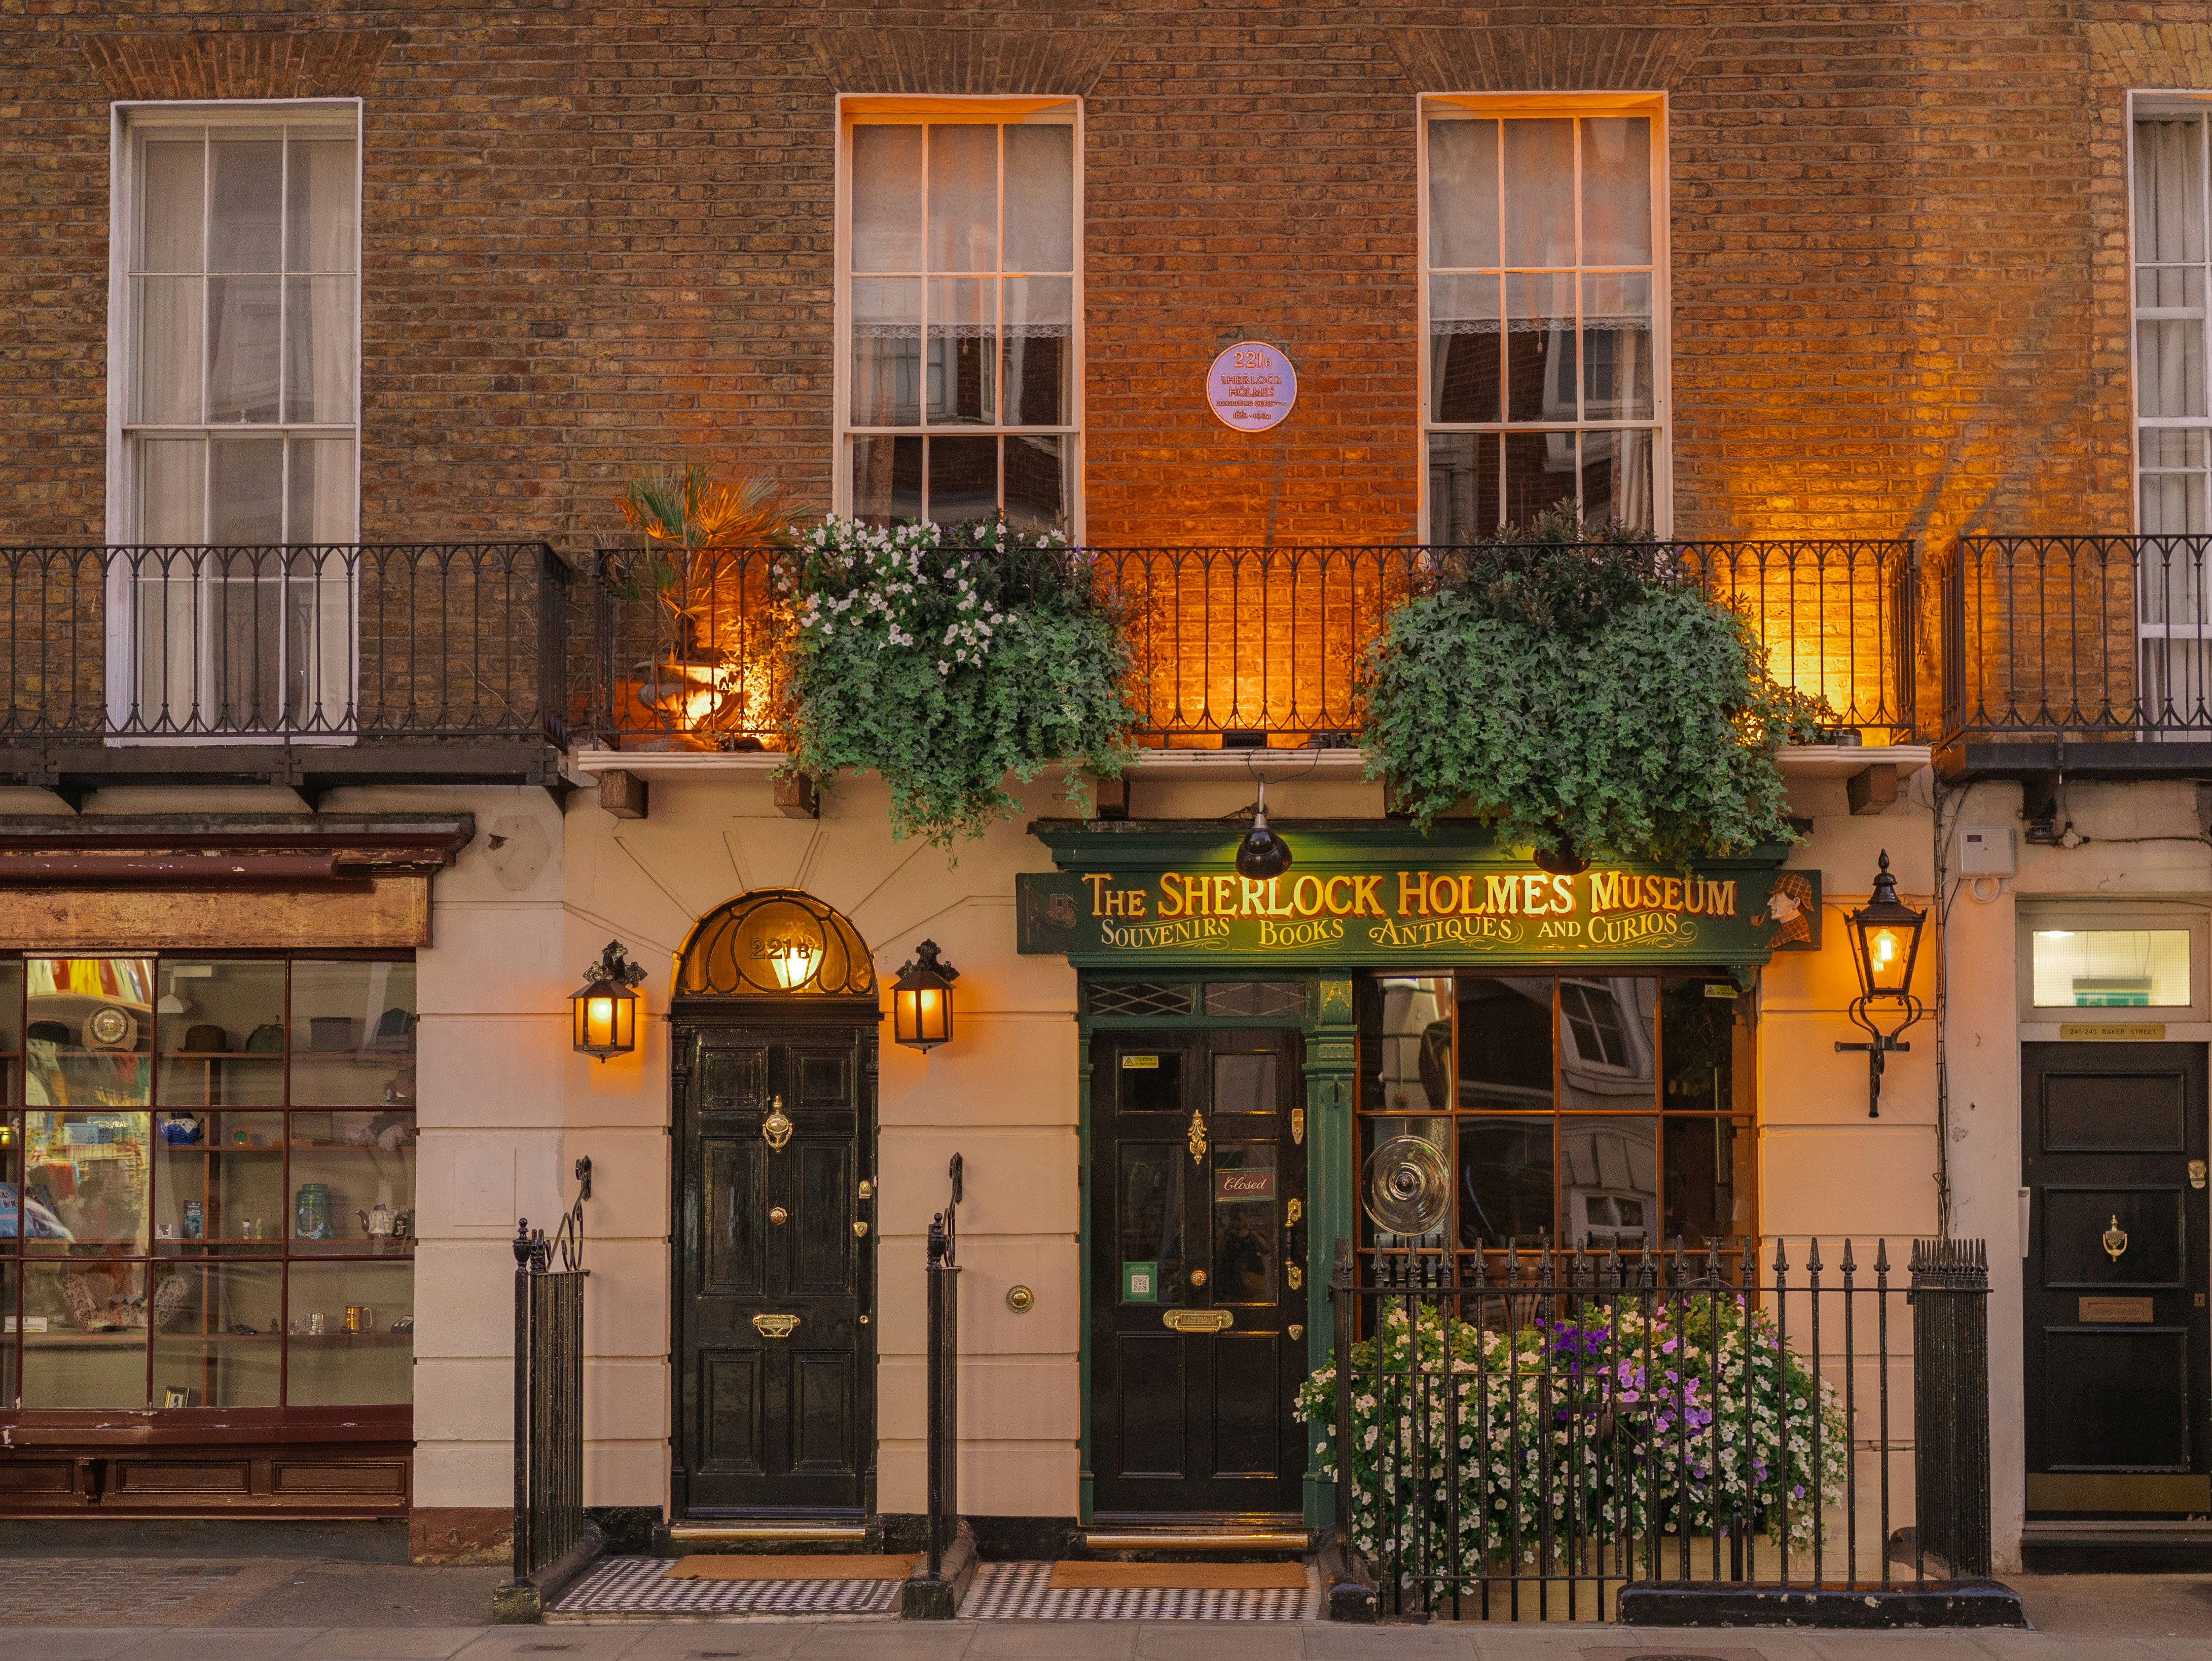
[947, 658]
[1582, 697]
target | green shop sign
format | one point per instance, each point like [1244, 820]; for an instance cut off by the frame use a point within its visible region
[1130, 895]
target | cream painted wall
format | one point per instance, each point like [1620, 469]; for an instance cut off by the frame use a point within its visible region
[2144, 847]
[492, 990]
[1003, 1096]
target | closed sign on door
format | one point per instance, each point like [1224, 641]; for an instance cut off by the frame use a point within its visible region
[1231, 1187]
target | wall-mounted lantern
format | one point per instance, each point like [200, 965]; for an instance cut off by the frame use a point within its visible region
[921, 1000]
[1885, 946]
[604, 1014]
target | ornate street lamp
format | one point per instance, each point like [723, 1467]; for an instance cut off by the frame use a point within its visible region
[921, 1000]
[1885, 946]
[604, 1014]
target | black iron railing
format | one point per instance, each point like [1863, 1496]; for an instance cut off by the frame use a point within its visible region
[1240, 646]
[945, 1377]
[1525, 1436]
[548, 1390]
[331, 642]
[2059, 636]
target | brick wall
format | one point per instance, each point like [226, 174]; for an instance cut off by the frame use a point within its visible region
[598, 238]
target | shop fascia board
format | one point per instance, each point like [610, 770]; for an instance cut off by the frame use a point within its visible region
[1797, 761]
[92, 849]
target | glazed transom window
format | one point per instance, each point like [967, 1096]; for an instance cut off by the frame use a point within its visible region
[959, 262]
[1544, 301]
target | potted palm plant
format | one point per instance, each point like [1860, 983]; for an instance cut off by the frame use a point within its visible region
[711, 607]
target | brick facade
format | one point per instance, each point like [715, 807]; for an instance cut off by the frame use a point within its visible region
[602, 239]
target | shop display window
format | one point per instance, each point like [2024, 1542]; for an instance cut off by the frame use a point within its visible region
[1599, 1112]
[207, 1181]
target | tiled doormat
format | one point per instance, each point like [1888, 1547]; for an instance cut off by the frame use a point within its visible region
[642, 1586]
[1024, 1592]
[746, 1566]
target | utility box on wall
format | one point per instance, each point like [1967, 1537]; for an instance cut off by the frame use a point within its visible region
[1986, 850]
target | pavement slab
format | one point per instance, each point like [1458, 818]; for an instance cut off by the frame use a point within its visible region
[390, 1644]
[74, 1643]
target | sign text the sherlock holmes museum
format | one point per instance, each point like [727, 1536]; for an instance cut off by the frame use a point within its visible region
[1344, 905]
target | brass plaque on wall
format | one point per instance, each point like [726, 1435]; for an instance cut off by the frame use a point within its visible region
[2092, 1311]
[2112, 1032]
[380, 911]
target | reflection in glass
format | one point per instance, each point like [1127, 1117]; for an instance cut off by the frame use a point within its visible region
[352, 1336]
[1465, 369]
[964, 350]
[1540, 346]
[1245, 1246]
[1609, 1182]
[1607, 1042]
[11, 1032]
[220, 1176]
[1504, 1043]
[84, 1335]
[88, 1031]
[217, 1341]
[1037, 483]
[89, 1172]
[1150, 1201]
[1614, 478]
[1244, 1083]
[886, 480]
[1505, 1180]
[963, 479]
[1151, 1081]
[886, 352]
[1708, 1180]
[1696, 1035]
[1039, 322]
[1414, 1043]
[1462, 486]
[1540, 474]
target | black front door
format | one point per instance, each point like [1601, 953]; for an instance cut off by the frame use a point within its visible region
[774, 1357]
[2113, 1138]
[1198, 1167]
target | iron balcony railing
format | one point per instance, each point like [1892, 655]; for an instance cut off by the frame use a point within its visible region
[1528, 1434]
[332, 642]
[2096, 637]
[1236, 646]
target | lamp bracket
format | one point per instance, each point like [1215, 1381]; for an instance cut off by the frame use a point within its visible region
[613, 965]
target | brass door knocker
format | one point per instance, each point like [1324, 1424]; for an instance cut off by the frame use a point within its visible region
[1197, 1138]
[2115, 1240]
[775, 1129]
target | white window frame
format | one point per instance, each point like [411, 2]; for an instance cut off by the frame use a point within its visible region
[2149, 105]
[921, 110]
[1562, 106]
[128, 120]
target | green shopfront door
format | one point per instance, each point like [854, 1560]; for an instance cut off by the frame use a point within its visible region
[1197, 1295]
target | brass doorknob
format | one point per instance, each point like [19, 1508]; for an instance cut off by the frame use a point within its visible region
[776, 1214]
[1198, 1277]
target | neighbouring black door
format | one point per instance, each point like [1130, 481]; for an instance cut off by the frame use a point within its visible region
[775, 1356]
[2113, 1144]
[1197, 1259]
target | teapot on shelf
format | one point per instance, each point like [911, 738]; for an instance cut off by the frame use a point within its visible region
[378, 1223]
